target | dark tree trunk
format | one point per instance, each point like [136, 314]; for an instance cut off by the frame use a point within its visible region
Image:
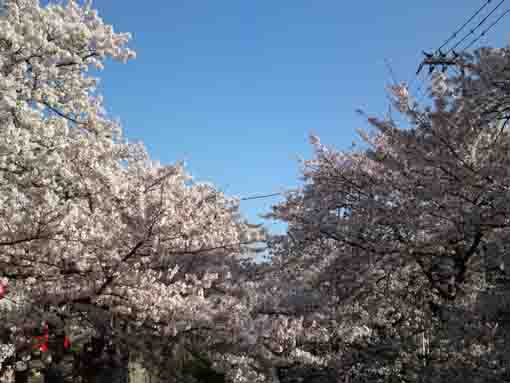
[102, 363]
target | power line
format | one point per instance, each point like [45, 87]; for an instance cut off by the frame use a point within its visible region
[454, 35]
[260, 196]
[445, 43]
[487, 29]
[472, 31]
[439, 55]
[440, 58]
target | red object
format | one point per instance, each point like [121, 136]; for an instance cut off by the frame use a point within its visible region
[44, 347]
[67, 342]
[3, 290]
[41, 342]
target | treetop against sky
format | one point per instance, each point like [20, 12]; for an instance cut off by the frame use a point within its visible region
[234, 89]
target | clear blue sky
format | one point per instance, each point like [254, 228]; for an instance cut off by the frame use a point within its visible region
[235, 87]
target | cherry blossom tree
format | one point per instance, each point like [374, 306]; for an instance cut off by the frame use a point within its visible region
[408, 232]
[91, 229]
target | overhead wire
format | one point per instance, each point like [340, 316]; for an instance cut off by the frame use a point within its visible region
[455, 34]
[419, 90]
[260, 196]
[484, 32]
[472, 31]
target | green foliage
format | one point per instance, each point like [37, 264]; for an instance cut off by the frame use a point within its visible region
[200, 368]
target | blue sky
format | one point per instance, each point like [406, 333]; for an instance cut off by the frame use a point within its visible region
[235, 87]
